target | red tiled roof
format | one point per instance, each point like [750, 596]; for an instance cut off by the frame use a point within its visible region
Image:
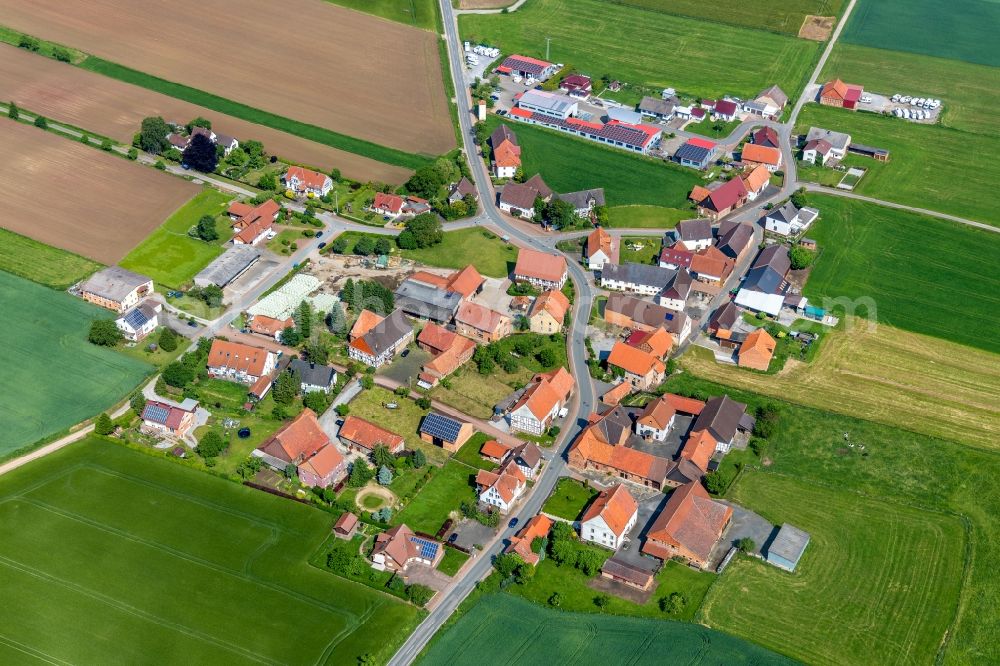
[685, 405]
[466, 281]
[699, 449]
[493, 449]
[725, 107]
[545, 391]
[690, 519]
[325, 462]
[299, 440]
[237, 356]
[388, 202]
[437, 337]
[553, 302]
[657, 414]
[616, 393]
[368, 435]
[701, 143]
[269, 325]
[307, 177]
[540, 265]
[633, 360]
[366, 321]
[599, 239]
[729, 194]
[479, 317]
[753, 152]
[615, 505]
[757, 178]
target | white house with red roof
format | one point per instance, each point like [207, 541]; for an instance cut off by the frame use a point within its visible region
[304, 444]
[306, 182]
[161, 417]
[540, 269]
[610, 517]
[541, 401]
[393, 206]
[503, 487]
[725, 109]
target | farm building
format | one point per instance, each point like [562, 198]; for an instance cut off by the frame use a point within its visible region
[229, 266]
[363, 436]
[346, 525]
[723, 200]
[623, 572]
[631, 312]
[116, 289]
[689, 526]
[839, 94]
[877, 154]
[426, 301]
[303, 443]
[546, 103]
[526, 67]
[378, 344]
[787, 547]
[482, 324]
[626, 136]
[540, 269]
[444, 431]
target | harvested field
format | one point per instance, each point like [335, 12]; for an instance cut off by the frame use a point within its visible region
[81, 98]
[315, 62]
[89, 202]
[817, 28]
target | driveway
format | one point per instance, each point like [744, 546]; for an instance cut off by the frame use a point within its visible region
[328, 419]
[745, 523]
[471, 533]
[405, 368]
[630, 552]
[421, 574]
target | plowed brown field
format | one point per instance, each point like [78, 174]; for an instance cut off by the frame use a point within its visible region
[303, 59]
[115, 109]
[81, 199]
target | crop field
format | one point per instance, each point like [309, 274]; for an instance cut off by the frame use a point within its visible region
[660, 49]
[969, 91]
[169, 255]
[912, 266]
[964, 31]
[568, 164]
[418, 13]
[237, 556]
[878, 583]
[502, 629]
[930, 167]
[83, 200]
[785, 18]
[351, 78]
[82, 98]
[54, 377]
[42, 263]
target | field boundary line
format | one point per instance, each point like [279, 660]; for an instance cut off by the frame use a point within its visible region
[131, 610]
[34, 652]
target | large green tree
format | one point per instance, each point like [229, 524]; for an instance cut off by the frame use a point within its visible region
[200, 154]
[153, 135]
[104, 332]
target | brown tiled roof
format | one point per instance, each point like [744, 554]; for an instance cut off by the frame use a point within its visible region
[479, 317]
[757, 350]
[368, 435]
[657, 413]
[616, 393]
[591, 445]
[325, 462]
[690, 519]
[299, 440]
[721, 416]
[553, 302]
[240, 357]
[268, 325]
[711, 261]
[633, 360]
[540, 265]
[699, 449]
[685, 405]
[615, 505]
[757, 178]
[599, 239]
[465, 281]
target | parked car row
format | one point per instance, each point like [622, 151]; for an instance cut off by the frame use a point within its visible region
[924, 102]
[912, 114]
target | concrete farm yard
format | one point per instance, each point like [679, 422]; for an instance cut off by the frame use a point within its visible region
[241, 591]
[98, 205]
[82, 98]
[353, 59]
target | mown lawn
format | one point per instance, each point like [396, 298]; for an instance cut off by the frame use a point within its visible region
[879, 582]
[568, 499]
[968, 91]
[44, 264]
[785, 18]
[640, 249]
[568, 164]
[469, 453]
[441, 495]
[452, 561]
[904, 268]
[649, 48]
[930, 166]
[898, 472]
[169, 255]
[476, 394]
[418, 13]
[252, 595]
[647, 217]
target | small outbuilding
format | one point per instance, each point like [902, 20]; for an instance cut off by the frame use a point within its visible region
[346, 525]
[444, 431]
[787, 547]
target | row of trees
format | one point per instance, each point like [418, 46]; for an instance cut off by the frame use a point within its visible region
[367, 295]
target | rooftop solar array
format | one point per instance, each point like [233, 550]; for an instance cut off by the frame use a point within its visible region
[428, 549]
[440, 426]
[136, 318]
[155, 413]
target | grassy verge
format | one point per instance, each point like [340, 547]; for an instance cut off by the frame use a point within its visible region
[44, 264]
[418, 13]
[568, 499]
[452, 561]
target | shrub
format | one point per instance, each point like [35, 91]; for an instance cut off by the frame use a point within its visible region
[103, 425]
[105, 333]
[106, 144]
[132, 154]
[211, 445]
[168, 340]
[41, 122]
[419, 594]
[28, 42]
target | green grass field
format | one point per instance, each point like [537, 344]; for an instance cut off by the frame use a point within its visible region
[631, 252]
[189, 566]
[963, 32]
[236, 109]
[568, 164]
[641, 47]
[909, 472]
[878, 583]
[452, 561]
[911, 265]
[53, 377]
[418, 13]
[42, 263]
[169, 255]
[568, 499]
[968, 91]
[502, 629]
[785, 18]
[930, 166]
[442, 495]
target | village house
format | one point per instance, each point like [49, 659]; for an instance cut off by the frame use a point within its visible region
[506, 152]
[609, 517]
[661, 109]
[694, 235]
[540, 269]
[655, 420]
[541, 401]
[379, 343]
[635, 313]
[537, 527]
[526, 67]
[463, 188]
[724, 419]
[675, 256]
[116, 289]
[398, 548]
[393, 206]
[450, 351]
[584, 201]
[675, 293]
[166, 418]
[603, 446]
[528, 458]
[576, 85]
[789, 220]
[641, 369]
[363, 436]
[313, 376]
[823, 145]
[723, 320]
[711, 267]
[839, 94]
[237, 362]
[305, 181]
[689, 526]
[725, 110]
[303, 443]
[757, 350]
[755, 180]
[766, 136]
[657, 342]
[444, 431]
[481, 323]
[721, 201]
[518, 199]
[258, 230]
[773, 100]
[243, 215]
[140, 321]
[753, 154]
[764, 287]
[548, 312]
[636, 278]
[501, 488]
[269, 326]
[601, 248]
[735, 239]
[696, 153]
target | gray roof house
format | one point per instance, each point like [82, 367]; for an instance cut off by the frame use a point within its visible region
[382, 341]
[583, 201]
[694, 230]
[787, 547]
[313, 377]
[775, 94]
[775, 256]
[735, 240]
[426, 301]
[723, 417]
[640, 278]
[460, 189]
[658, 108]
[838, 140]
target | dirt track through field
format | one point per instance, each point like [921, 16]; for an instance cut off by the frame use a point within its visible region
[81, 199]
[115, 109]
[303, 59]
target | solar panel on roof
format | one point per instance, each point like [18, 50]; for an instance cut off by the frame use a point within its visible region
[669, 316]
[156, 413]
[428, 549]
[442, 427]
[135, 318]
